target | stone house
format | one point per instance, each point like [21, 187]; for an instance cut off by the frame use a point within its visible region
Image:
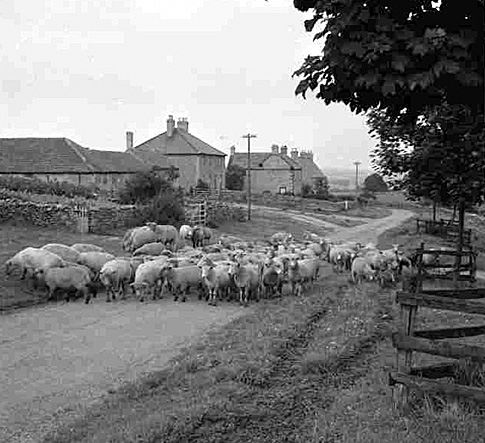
[62, 160]
[271, 171]
[310, 172]
[195, 159]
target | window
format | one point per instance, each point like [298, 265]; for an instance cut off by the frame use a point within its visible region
[105, 179]
[282, 190]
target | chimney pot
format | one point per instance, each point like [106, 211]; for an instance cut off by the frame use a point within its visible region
[183, 124]
[294, 153]
[129, 140]
[233, 150]
[170, 125]
[284, 150]
[274, 149]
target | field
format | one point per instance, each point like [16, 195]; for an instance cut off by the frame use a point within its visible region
[309, 369]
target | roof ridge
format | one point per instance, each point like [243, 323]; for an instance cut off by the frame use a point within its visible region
[198, 139]
[73, 146]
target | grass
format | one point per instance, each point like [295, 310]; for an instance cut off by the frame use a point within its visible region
[15, 293]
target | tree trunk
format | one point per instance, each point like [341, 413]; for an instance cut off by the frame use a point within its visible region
[461, 223]
[461, 228]
[454, 212]
[434, 211]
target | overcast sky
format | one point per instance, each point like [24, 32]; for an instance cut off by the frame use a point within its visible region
[92, 70]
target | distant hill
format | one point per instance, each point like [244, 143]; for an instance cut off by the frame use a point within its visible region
[344, 177]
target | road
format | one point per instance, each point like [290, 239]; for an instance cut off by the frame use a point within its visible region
[57, 359]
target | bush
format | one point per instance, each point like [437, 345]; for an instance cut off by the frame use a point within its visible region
[37, 186]
[167, 208]
[143, 187]
[235, 176]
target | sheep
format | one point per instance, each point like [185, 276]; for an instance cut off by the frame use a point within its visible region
[30, 259]
[148, 278]
[180, 280]
[65, 252]
[86, 247]
[68, 278]
[95, 260]
[361, 269]
[153, 248]
[117, 274]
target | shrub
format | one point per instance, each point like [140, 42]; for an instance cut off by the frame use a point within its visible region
[167, 208]
[143, 187]
[37, 186]
[235, 175]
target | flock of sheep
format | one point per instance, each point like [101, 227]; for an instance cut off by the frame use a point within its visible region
[163, 259]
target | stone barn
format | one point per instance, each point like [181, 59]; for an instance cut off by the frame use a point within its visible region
[62, 160]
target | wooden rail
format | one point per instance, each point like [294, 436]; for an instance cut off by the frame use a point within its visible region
[439, 342]
[443, 228]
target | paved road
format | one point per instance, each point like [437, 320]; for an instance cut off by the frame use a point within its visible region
[56, 359]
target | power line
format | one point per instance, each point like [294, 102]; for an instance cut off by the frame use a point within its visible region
[248, 187]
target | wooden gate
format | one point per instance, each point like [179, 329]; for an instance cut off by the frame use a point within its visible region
[196, 213]
[82, 215]
[436, 342]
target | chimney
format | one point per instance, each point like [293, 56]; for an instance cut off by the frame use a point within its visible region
[233, 150]
[170, 125]
[183, 124]
[129, 140]
[284, 150]
[274, 149]
[294, 154]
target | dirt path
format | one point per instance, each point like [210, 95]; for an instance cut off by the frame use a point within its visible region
[57, 359]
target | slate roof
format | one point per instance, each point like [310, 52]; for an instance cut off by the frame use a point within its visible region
[61, 155]
[310, 169]
[181, 143]
[258, 159]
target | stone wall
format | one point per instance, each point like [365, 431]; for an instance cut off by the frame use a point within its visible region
[284, 201]
[102, 220]
[217, 211]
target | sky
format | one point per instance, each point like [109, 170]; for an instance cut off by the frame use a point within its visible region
[92, 70]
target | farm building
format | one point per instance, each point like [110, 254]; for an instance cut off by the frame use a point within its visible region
[62, 160]
[310, 172]
[195, 159]
[271, 171]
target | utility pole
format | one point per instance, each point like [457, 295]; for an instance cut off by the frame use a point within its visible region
[357, 177]
[248, 187]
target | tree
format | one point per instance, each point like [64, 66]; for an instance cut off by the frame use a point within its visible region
[321, 188]
[413, 61]
[235, 176]
[144, 186]
[375, 183]
[398, 56]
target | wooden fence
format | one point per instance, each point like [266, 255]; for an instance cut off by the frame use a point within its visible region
[196, 213]
[438, 342]
[443, 228]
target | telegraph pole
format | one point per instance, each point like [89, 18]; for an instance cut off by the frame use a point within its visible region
[248, 187]
[356, 177]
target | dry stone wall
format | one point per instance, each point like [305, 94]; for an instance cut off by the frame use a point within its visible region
[100, 220]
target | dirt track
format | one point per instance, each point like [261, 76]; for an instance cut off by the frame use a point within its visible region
[55, 360]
